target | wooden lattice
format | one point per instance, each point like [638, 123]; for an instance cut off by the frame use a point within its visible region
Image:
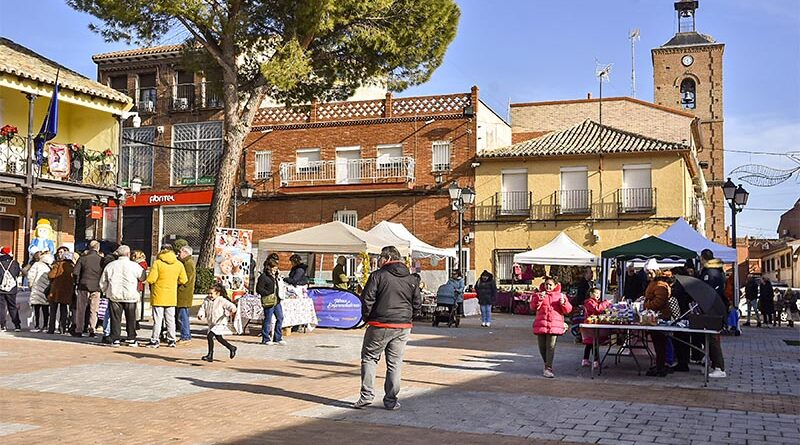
[368, 109]
[454, 103]
[282, 115]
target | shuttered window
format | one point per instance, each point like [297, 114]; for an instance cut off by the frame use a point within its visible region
[263, 164]
[441, 156]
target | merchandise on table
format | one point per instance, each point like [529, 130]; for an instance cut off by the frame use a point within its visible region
[618, 313]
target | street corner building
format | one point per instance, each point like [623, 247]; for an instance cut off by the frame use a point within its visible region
[53, 184]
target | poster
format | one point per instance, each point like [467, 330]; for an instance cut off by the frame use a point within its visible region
[232, 259]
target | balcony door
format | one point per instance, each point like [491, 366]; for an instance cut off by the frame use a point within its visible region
[348, 165]
[514, 192]
[637, 191]
[574, 190]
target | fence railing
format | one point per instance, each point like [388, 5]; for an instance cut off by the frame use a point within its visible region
[637, 200]
[574, 202]
[183, 97]
[513, 203]
[350, 171]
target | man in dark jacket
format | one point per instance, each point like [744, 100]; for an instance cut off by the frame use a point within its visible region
[713, 275]
[87, 274]
[389, 301]
[8, 289]
[751, 294]
[634, 284]
[766, 300]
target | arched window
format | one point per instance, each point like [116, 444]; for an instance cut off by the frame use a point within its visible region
[688, 94]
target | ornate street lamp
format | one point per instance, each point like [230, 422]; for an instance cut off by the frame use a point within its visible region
[461, 199]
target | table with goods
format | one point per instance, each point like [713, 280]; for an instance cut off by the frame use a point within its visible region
[297, 311]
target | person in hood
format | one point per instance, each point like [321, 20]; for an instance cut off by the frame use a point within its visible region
[166, 274]
[87, 278]
[452, 292]
[297, 276]
[390, 299]
[550, 306]
[9, 274]
[486, 288]
[37, 277]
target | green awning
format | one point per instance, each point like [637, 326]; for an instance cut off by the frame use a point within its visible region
[650, 247]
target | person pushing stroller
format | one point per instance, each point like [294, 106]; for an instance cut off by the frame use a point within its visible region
[451, 296]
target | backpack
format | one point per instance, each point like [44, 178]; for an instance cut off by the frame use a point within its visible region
[9, 282]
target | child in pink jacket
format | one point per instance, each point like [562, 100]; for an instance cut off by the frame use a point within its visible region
[592, 306]
[550, 306]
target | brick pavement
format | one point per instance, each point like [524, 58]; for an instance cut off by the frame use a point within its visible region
[466, 385]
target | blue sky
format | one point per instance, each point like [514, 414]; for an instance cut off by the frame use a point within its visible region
[535, 50]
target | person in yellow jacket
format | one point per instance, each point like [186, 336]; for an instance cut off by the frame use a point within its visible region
[166, 274]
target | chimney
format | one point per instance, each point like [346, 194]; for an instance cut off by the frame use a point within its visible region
[588, 95]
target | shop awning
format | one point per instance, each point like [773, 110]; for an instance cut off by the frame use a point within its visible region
[561, 251]
[399, 234]
[682, 234]
[332, 237]
[650, 247]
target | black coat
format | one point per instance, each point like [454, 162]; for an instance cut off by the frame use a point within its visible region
[486, 290]
[391, 295]
[297, 276]
[751, 290]
[12, 266]
[267, 284]
[766, 300]
[87, 271]
[634, 287]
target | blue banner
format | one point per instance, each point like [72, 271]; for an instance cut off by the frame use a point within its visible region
[336, 308]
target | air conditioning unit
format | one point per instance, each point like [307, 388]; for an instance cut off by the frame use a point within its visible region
[147, 106]
[181, 103]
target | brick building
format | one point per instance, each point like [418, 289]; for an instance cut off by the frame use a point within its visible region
[789, 225]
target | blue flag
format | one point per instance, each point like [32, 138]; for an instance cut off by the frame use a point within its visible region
[49, 126]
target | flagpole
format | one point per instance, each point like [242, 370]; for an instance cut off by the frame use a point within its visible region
[29, 180]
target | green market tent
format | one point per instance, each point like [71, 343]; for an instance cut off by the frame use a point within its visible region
[649, 247]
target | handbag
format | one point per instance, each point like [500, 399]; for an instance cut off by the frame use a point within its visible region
[269, 301]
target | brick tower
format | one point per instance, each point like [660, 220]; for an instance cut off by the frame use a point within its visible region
[687, 75]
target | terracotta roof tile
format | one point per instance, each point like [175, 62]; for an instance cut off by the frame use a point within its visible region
[586, 138]
[22, 62]
[136, 52]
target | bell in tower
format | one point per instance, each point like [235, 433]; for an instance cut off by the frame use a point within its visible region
[686, 10]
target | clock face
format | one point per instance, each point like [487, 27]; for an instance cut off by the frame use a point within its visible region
[687, 60]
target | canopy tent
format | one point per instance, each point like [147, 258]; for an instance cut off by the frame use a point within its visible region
[332, 237]
[561, 251]
[682, 234]
[398, 234]
[650, 247]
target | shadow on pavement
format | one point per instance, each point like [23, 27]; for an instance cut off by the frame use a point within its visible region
[267, 391]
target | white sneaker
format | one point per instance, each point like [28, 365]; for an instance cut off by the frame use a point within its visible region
[269, 343]
[282, 342]
[483, 324]
[548, 373]
[36, 330]
[717, 374]
[488, 325]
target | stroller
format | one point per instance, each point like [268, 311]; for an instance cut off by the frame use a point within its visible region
[447, 310]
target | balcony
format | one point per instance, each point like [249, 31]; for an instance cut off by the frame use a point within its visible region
[513, 203]
[147, 101]
[346, 172]
[574, 202]
[183, 98]
[636, 200]
[191, 97]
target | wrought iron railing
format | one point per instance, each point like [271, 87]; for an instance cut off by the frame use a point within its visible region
[514, 203]
[183, 97]
[147, 100]
[351, 171]
[211, 95]
[637, 200]
[574, 202]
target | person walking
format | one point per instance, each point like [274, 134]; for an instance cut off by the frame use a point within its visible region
[120, 282]
[550, 306]
[62, 291]
[217, 310]
[186, 294]
[340, 279]
[486, 288]
[268, 289]
[39, 283]
[164, 278]
[766, 303]
[87, 278]
[9, 274]
[390, 299]
[751, 295]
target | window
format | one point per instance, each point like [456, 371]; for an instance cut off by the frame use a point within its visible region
[349, 217]
[783, 261]
[119, 83]
[199, 147]
[688, 96]
[574, 193]
[186, 222]
[136, 156]
[441, 156]
[348, 165]
[263, 164]
[308, 160]
[146, 100]
[390, 156]
[183, 91]
[504, 264]
[514, 192]
[110, 223]
[452, 264]
[637, 194]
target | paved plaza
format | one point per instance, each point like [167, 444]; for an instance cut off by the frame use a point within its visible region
[465, 385]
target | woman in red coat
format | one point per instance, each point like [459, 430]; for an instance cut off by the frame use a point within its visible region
[550, 306]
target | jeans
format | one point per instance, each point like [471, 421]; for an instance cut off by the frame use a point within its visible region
[486, 313]
[670, 352]
[183, 322]
[752, 306]
[547, 348]
[63, 315]
[276, 335]
[107, 320]
[116, 310]
[9, 302]
[376, 341]
[161, 314]
[92, 301]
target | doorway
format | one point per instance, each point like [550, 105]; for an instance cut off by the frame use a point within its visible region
[137, 229]
[348, 165]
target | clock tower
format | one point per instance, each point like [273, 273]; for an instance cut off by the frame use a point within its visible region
[687, 75]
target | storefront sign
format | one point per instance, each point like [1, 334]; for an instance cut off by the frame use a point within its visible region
[336, 308]
[232, 257]
[193, 197]
[8, 200]
[96, 212]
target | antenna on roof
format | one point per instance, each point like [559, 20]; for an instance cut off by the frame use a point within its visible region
[634, 35]
[602, 72]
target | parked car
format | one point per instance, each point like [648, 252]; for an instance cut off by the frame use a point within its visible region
[779, 290]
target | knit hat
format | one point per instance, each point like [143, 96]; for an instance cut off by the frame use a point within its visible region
[5, 250]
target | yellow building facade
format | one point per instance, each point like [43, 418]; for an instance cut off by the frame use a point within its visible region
[601, 186]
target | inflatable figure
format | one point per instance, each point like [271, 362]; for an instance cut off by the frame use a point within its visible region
[43, 239]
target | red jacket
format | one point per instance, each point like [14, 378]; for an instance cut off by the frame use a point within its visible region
[594, 307]
[550, 315]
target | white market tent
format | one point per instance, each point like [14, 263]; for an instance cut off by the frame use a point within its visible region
[397, 233]
[561, 251]
[332, 237]
[682, 234]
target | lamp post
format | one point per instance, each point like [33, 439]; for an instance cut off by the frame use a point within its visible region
[246, 192]
[461, 199]
[736, 196]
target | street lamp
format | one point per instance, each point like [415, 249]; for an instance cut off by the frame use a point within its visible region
[136, 186]
[246, 194]
[737, 199]
[461, 199]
